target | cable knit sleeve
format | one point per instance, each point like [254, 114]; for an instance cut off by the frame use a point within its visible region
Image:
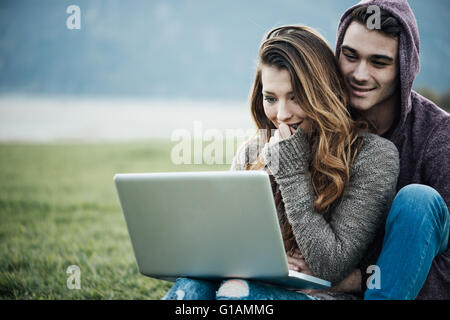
[248, 152]
[333, 248]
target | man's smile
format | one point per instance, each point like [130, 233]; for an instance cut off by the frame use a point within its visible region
[360, 91]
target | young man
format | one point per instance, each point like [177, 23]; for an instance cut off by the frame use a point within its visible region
[380, 63]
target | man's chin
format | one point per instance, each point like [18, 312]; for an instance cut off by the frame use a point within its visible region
[360, 104]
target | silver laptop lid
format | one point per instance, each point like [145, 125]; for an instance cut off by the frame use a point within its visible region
[203, 224]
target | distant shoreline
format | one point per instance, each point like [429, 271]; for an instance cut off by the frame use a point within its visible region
[67, 118]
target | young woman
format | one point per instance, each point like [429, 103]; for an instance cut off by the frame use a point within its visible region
[333, 182]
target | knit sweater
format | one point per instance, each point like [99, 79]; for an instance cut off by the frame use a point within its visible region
[331, 247]
[421, 134]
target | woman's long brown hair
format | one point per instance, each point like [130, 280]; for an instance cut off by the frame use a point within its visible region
[320, 90]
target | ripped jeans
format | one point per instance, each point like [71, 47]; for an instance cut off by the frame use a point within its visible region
[235, 289]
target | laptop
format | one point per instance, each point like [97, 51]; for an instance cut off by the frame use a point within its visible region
[207, 225]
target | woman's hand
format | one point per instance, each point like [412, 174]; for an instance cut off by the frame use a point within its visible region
[281, 133]
[287, 151]
[296, 262]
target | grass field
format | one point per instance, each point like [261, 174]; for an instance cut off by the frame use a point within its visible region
[58, 207]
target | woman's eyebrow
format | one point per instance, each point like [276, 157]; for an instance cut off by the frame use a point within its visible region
[268, 92]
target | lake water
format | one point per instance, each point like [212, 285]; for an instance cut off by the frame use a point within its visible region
[46, 119]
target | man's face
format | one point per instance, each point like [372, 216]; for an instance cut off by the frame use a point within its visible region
[369, 63]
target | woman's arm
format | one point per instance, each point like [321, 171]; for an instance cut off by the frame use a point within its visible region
[333, 249]
[247, 153]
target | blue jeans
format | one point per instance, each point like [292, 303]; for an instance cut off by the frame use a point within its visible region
[236, 289]
[417, 229]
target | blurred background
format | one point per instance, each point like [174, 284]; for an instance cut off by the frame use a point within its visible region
[79, 105]
[141, 69]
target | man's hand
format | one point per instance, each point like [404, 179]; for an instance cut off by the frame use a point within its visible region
[351, 284]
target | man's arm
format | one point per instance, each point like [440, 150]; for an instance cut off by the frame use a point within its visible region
[436, 169]
[437, 174]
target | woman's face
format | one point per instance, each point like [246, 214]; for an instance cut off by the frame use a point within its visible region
[278, 99]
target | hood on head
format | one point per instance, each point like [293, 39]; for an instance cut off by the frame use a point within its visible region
[408, 49]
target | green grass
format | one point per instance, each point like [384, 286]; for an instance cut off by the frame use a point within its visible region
[58, 207]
